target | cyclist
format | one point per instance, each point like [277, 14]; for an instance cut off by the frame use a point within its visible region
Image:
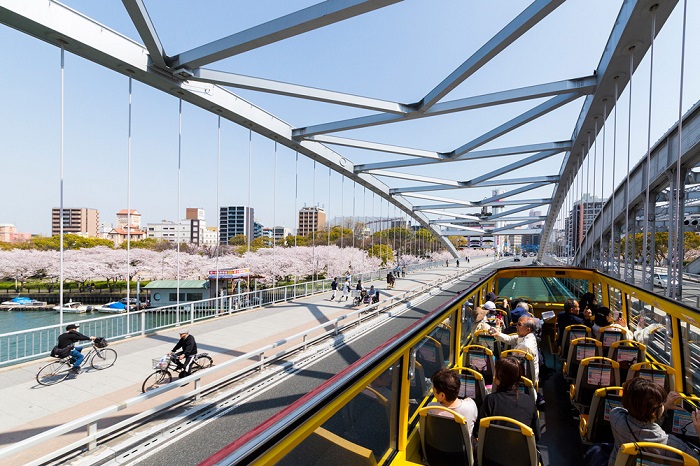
[68, 339]
[188, 347]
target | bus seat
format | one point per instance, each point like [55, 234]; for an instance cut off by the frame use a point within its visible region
[579, 349]
[593, 373]
[594, 427]
[609, 335]
[627, 352]
[527, 363]
[505, 442]
[429, 353]
[572, 332]
[482, 337]
[323, 444]
[631, 454]
[526, 387]
[471, 385]
[660, 373]
[445, 441]
[480, 359]
[443, 334]
[679, 421]
[419, 387]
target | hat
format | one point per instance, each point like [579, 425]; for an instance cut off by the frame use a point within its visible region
[489, 306]
[72, 326]
[491, 296]
[517, 313]
[183, 330]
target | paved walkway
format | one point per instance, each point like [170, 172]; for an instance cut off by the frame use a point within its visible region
[29, 408]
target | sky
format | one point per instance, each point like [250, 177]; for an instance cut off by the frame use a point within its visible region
[397, 53]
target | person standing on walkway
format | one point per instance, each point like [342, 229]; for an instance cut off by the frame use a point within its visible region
[403, 272]
[346, 291]
[334, 287]
[457, 262]
[69, 339]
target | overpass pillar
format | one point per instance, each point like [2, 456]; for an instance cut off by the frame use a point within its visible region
[615, 248]
[649, 242]
[630, 245]
[676, 233]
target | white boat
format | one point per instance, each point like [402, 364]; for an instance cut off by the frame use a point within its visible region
[115, 307]
[73, 307]
[22, 302]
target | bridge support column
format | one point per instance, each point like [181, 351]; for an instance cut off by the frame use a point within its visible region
[630, 245]
[649, 242]
[676, 234]
[615, 238]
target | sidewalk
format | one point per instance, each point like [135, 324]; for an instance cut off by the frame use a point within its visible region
[31, 408]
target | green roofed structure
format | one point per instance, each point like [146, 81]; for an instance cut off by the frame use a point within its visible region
[164, 292]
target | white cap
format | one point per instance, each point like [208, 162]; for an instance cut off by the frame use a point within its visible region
[489, 306]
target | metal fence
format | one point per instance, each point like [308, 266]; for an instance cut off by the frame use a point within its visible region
[30, 344]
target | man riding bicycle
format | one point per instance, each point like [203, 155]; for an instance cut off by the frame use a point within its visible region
[69, 339]
[188, 347]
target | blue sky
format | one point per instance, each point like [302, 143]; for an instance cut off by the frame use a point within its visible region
[397, 53]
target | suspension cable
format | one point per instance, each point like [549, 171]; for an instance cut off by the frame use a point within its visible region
[62, 158]
[628, 236]
[647, 194]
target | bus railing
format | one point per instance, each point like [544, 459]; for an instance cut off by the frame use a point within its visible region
[25, 345]
[254, 361]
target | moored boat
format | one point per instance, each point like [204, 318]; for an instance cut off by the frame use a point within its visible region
[114, 307]
[73, 307]
[22, 302]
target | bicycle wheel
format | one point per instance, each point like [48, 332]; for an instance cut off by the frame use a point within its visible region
[53, 372]
[103, 358]
[202, 362]
[155, 380]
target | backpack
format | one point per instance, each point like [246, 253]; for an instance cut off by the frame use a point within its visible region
[57, 352]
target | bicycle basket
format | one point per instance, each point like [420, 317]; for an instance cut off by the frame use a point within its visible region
[101, 342]
[160, 363]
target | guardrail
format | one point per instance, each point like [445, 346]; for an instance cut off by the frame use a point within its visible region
[257, 361]
[34, 343]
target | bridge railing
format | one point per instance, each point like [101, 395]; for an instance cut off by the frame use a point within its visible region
[25, 345]
[236, 368]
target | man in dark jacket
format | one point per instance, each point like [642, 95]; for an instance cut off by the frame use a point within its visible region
[570, 316]
[69, 339]
[188, 350]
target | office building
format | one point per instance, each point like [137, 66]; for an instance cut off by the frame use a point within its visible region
[311, 219]
[580, 219]
[78, 221]
[193, 229]
[235, 220]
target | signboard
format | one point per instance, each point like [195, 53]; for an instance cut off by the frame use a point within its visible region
[229, 273]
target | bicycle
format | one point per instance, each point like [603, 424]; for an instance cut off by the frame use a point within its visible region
[99, 357]
[164, 365]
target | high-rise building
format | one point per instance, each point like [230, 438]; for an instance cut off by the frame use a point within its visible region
[78, 221]
[235, 220]
[311, 219]
[580, 219]
[257, 230]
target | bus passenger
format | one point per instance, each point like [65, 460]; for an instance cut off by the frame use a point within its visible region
[525, 340]
[604, 318]
[570, 316]
[446, 385]
[643, 408]
[507, 401]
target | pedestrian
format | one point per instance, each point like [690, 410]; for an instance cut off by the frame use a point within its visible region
[447, 262]
[457, 262]
[403, 272]
[359, 285]
[467, 259]
[334, 287]
[346, 291]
